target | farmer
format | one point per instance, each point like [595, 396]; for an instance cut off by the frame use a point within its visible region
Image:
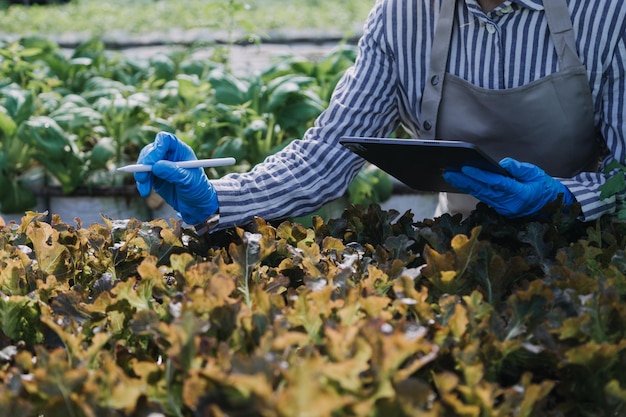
[537, 84]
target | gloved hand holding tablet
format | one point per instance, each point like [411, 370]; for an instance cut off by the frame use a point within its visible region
[512, 188]
[524, 193]
[420, 164]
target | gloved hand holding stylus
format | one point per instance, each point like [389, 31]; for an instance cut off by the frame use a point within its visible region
[187, 190]
[525, 193]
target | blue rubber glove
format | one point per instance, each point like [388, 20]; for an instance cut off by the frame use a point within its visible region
[188, 191]
[525, 194]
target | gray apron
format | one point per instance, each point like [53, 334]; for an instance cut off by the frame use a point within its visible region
[548, 122]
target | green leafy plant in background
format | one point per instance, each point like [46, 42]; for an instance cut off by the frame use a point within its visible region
[74, 117]
[47, 124]
[15, 158]
[20, 83]
[264, 114]
[370, 186]
[97, 18]
[29, 139]
[615, 185]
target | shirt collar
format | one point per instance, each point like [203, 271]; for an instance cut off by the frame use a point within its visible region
[530, 4]
[476, 10]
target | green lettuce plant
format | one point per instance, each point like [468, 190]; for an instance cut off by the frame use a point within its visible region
[29, 140]
[77, 117]
[368, 314]
[616, 184]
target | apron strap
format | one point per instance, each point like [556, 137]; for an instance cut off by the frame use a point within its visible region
[438, 61]
[562, 32]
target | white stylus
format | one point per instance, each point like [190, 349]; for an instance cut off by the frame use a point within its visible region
[196, 163]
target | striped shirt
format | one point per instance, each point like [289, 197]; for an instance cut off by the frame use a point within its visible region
[505, 48]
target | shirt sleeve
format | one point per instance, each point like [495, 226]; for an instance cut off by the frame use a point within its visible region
[587, 186]
[317, 169]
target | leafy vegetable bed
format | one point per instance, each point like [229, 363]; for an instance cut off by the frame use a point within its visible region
[73, 119]
[368, 314]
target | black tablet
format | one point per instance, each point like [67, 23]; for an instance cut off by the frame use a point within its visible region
[420, 163]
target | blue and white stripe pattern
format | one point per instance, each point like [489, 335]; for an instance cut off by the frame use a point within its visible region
[505, 48]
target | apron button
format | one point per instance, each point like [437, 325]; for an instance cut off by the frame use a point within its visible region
[427, 125]
[434, 80]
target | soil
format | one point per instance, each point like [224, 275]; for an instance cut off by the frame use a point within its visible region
[245, 56]
[245, 59]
